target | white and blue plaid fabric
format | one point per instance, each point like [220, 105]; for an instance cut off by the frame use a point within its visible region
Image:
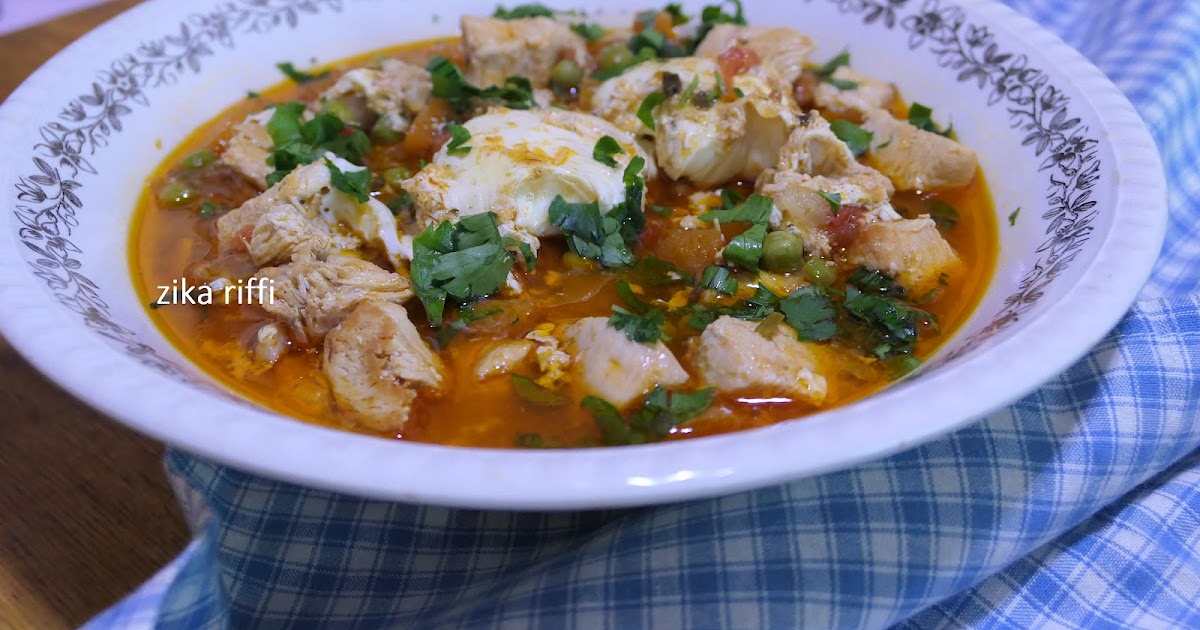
[1077, 507]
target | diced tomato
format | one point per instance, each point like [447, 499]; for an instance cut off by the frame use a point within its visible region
[843, 228]
[692, 250]
[427, 133]
[665, 23]
[806, 89]
[734, 61]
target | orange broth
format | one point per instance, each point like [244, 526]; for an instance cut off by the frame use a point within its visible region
[167, 242]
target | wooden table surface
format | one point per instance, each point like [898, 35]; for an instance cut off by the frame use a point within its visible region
[85, 511]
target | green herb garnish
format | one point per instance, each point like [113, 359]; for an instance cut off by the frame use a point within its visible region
[943, 214]
[825, 72]
[299, 76]
[660, 413]
[834, 200]
[522, 11]
[460, 261]
[529, 391]
[299, 142]
[855, 137]
[719, 279]
[357, 184]
[588, 31]
[450, 84]
[809, 311]
[645, 112]
[921, 117]
[606, 148]
[458, 140]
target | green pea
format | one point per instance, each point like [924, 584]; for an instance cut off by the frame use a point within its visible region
[393, 176]
[782, 252]
[176, 194]
[613, 56]
[199, 159]
[341, 110]
[566, 74]
[383, 132]
[820, 271]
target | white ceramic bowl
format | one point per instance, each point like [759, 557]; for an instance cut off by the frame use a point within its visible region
[1056, 140]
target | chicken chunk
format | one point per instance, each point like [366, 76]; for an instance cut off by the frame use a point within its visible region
[708, 143]
[376, 362]
[518, 163]
[801, 209]
[395, 92]
[911, 250]
[335, 220]
[310, 297]
[816, 161]
[282, 233]
[732, 356]
[615, 368]
[525, 47]
[915, 159]
[249, 146]
[784, 49]
[869, 94]
[502, 358]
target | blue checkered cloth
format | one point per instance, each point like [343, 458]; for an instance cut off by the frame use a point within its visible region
[1077, 507]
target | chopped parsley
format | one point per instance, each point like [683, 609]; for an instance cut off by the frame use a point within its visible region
[1012, 218]
[606, 148]
[460, 261]
[529, 391]
[719, 90]
[629, 212]
[299, 76]
[943, 214]
[609, 237]
[400, 203]
[874, 282]
[719, 279]
[730, 197]
[522, 11]
[466, 316]
[588, 31]
[209, 209]
[644, 327]
[690, 90]
[855, 137]
[299, 142]
[450, 84]
[591, 234]
[745, 249]
[645, 112]
[834, 200]
[660, 413]
[921, 117]
[715, 14]
[756, 209]
[825, 72]
[458, 140]
[357, 184]
[891, 325]
[809, 311]
[654, 271]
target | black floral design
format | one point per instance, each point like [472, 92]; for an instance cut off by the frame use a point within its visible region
[48, 198]
[1035, 107]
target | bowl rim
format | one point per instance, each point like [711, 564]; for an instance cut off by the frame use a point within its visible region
[230, 432]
